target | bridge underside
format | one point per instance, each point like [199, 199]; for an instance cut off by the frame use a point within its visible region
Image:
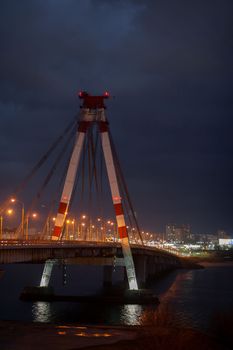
[148, 262]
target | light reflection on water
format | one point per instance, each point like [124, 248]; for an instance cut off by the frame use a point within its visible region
[41, 311]
[130, 314]
[189, 298]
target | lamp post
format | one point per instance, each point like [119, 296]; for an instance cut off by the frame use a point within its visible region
[1, 222]
[13, 200]
[73, 228]
[34, 215]
[67, 229]
[8, 212]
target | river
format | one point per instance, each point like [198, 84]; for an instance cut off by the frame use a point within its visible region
[189, 298]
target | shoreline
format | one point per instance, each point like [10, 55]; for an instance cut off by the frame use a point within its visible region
[31, 335]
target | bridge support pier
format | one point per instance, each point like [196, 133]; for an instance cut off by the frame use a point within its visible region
[141, 270]
[46, 275]
[107, 276]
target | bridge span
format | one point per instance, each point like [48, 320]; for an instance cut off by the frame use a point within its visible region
[149, 261]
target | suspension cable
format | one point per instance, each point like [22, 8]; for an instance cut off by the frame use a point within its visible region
[118, 167]
[42, 160]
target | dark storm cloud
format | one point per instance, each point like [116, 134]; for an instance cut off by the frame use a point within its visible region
[169, 63]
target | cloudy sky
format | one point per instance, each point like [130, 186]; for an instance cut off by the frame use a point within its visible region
[169, 63]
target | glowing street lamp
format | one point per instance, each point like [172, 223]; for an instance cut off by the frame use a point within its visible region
[8, 212]
[73, 231]
[67, 229]
[14, 200]
[34, 216]
[1, 223]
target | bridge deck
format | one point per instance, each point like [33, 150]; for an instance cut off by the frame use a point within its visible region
[31, 251]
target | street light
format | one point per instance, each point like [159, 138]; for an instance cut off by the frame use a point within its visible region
[67, 228]
[9, 212]
[1, 223]
[73, 228]
[34, 215]
[13, 200]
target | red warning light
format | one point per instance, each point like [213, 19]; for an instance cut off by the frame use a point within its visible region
[93, 102]
[106, 94]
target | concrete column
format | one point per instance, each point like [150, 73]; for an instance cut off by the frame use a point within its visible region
[141, 270]
[107, 276]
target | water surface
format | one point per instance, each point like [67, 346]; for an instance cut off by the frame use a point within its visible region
[190, 298]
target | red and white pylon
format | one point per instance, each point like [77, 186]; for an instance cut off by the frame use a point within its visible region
[93, 111]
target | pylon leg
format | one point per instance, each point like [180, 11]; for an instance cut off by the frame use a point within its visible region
[46, 275]
[66, 195]
[69, 182]
[123, 234]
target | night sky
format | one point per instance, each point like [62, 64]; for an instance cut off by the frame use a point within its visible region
[169, 64]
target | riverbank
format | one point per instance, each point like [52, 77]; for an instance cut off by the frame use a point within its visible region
[37, 336]
[30, 335]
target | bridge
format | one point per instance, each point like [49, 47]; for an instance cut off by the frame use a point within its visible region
[91, 137]
[149, 262]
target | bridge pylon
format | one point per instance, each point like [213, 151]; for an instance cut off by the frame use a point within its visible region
[92, 112]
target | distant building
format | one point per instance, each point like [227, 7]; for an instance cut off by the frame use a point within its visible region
[226, 242]
[222, 234]
[170, 231]
[181, 233]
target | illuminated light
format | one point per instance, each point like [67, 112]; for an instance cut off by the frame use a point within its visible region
[54, 219]
[106, 94]
[83, 223]
[61, 333]
[81, 334]
[109, 222]
[101, 228]
[93, 226]
[67, 221]
[84, 216]
[13, 200]
[80, 94]
[10, 211]
[34, 215]
[63, 327]
[112, 223]
[98, 219]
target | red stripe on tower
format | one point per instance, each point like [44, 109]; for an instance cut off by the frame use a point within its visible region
[122, 232]
[118, 209]
[57, 231]
[103, 126]
[83, 126]
[62, 208]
